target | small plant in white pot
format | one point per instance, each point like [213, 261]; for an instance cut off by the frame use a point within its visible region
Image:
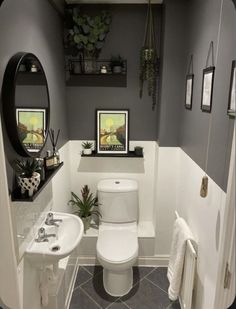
[85, 207]
[28, 177]
[87, 148]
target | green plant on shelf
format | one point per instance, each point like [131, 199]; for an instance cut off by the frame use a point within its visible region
[26, 167]
[87, 145]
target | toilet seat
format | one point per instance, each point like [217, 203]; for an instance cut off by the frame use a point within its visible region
[117, 243]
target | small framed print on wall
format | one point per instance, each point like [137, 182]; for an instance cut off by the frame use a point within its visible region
[112, 132]
[189, 91]
[232, 91]
[207, 89]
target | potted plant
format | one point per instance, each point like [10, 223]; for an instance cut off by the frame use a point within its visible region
[28, 177]
[85, 206]
[117, 64]
[85, 36]
[87, 148]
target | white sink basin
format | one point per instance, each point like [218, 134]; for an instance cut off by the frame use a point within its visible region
[68, 235]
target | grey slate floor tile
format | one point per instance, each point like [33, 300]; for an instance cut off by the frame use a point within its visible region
[159, 278]
[82, 276]
[140, 272]
[147, 296]
[95, 289]
[118, 305]
[82, 301]
[149, 290]
[94, 270]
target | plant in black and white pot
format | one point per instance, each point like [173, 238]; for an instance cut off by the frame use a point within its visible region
[28, 176]
[85, 206]
[87, 148]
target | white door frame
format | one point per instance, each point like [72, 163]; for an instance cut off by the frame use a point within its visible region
[9, 283]
[224, 297]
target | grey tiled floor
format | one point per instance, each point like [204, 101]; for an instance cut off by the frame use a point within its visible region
[149, 290]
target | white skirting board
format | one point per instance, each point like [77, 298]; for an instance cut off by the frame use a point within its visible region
[148, 261]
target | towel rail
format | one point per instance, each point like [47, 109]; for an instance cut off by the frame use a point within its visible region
[186, 291]
[189, 243]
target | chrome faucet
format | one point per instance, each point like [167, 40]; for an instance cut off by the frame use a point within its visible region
[50, 221]
[42, 236]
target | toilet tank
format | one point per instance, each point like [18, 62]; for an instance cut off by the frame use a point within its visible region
[118, 200]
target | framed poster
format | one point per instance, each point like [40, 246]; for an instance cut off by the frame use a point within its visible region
[112, 131]
[232, 91]
[207, 89]
[189, 91]
[31, 127]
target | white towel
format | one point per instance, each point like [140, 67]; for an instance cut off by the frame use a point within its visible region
[181, 234]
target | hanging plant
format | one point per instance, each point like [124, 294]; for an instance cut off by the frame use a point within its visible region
[149, 59]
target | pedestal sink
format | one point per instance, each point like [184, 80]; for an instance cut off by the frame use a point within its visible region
[68, 233]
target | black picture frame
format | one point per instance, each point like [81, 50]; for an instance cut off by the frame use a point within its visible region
[207, 89]
[232, 91]
[112, 131]
[189, 91]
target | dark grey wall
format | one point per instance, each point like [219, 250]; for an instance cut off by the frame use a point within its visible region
[34, 26]
[207, 23]
[125, 38]
[173, 70]
[189, 27]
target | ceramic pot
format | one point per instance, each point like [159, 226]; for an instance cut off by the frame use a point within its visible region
[86, 222]
[87, 151]
[117, 69]
[29, 184]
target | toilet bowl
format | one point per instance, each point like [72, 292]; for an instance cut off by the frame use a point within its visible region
[117, 251]
[117, 244]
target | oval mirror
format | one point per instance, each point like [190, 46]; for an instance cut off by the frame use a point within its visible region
[26, 104]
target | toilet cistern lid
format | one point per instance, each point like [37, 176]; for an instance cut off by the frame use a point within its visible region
[117, 246]
[117, 185]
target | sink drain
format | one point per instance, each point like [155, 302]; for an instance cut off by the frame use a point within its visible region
[55, 248]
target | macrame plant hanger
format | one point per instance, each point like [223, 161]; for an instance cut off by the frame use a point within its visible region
[148, 59]
[204, 184]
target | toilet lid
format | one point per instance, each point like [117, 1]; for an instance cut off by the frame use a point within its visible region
[117, 245]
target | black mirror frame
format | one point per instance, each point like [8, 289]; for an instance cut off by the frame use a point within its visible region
[9, 109]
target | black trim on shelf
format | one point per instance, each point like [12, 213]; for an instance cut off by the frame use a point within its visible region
[97, 80]
[16, 195]
[130, 154]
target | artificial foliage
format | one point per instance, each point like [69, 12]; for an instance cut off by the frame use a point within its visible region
[84, 33]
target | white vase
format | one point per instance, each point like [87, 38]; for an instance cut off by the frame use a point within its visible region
[86, 222]
[29, 184]
[87, 151]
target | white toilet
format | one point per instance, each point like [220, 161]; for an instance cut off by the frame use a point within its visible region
[117, 245]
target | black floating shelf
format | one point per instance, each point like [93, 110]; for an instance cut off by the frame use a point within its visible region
[16, 195]
[30, 78]
[130, 154]
[97, 80]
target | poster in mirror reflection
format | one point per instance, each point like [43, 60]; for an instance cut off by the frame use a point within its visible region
[112, 132]
[31, 127]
